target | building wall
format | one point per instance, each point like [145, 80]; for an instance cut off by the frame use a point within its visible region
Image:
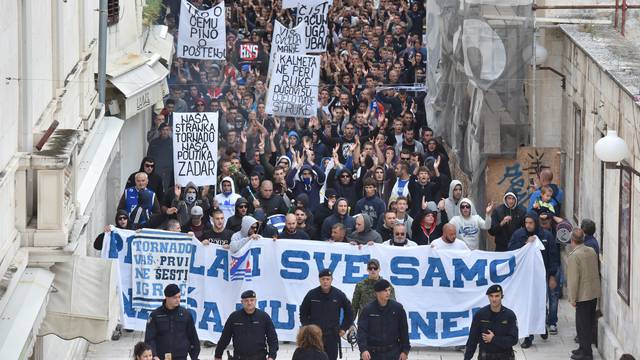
[592, 102]
[49, 53]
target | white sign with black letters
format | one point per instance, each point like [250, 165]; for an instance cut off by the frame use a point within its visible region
[202, 33]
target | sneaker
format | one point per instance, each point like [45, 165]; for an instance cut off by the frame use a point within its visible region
[553, 330]
[526, 343]
[117, 333]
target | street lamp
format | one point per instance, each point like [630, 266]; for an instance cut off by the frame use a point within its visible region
[612, 149]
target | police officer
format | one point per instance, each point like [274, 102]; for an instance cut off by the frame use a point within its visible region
[383, 331]
[321, 306]
[496, 329]
[252, 332]
[171, 330]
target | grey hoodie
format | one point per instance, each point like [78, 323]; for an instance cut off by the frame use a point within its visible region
[469, 228]
[238, 239]
[450, 205]
[367, 235]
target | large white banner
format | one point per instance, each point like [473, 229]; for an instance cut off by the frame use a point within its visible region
[315, 16]
[440, 290]
[293, 88]
[195, 148]
[202, 33]
[286, 40]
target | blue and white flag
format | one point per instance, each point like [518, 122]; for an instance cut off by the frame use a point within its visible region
[277, 221]
[439, 289]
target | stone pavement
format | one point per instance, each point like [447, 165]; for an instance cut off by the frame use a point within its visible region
[556, 347]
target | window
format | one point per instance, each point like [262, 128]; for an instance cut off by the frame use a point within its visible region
[113, 12]
[577, 161]
[624, 235]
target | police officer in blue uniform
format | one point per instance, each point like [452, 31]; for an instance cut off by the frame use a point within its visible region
[254, 336]
[321, 306]
[171, 330]
[383, 331]
[495, 328]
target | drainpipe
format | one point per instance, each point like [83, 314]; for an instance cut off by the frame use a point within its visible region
[102, 52]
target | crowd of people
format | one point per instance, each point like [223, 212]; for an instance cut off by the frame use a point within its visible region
[365, 169]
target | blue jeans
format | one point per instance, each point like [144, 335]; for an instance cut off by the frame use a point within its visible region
[553, 295]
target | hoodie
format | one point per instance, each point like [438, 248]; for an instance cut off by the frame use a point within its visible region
[227, 203]
[450, 205]
[234, 223]
[420, 234]
[311, 188]
[372, 206]
[241, 237]
[469, 227]
[97, 244]
[348, 222]
[502, 233]
[367, 234]
[550, 254]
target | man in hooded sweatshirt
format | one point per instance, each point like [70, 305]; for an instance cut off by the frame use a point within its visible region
[227, 198]
[469, 225]
[452, 203]
[234, 223]
[507, 218]
[340, 215]
[371, 204]
[528, 233]
[307, 180]
[248, 231]
[363, 233]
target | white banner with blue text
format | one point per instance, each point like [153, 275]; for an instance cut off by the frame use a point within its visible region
[440, 289]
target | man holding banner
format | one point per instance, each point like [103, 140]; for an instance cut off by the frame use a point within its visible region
[321, 306]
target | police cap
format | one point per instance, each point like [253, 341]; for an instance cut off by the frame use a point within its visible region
[248, 294]
[171, 290]
[494, 289]
[325, 272]
[381, 285]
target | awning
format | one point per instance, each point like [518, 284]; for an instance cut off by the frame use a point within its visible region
[86, 303]
[94, 157]
[21, 318]
[141, 86]
[159, 41]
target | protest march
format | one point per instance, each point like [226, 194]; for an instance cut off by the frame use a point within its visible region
[293, 147]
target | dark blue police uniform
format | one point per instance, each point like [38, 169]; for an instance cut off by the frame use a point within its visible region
[172, 331]
[383, 331]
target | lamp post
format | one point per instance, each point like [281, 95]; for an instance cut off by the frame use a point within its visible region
[611, 150]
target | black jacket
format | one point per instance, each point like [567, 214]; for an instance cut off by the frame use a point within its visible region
[172, 331]
[383, 326]
[323, 309]
[425, 238]
[251, 334]
[503, 325]
[431, 191]
[309, 354]
[502, 233]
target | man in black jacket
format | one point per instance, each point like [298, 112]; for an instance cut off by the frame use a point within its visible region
[148, 165]
[507, 218]
[383, 331]
[321, 306]
[170, 329]
[254, 336]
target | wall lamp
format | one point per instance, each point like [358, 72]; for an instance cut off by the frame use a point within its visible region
[611, 150]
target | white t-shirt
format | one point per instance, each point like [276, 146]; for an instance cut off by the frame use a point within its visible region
[456, 245]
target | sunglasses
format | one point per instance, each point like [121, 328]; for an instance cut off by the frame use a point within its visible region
[149, 165]
[405, 158]
[345, 176]
[399, 234]
[465, 207]
[122, 218]
[370, 268]
[242, 206]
